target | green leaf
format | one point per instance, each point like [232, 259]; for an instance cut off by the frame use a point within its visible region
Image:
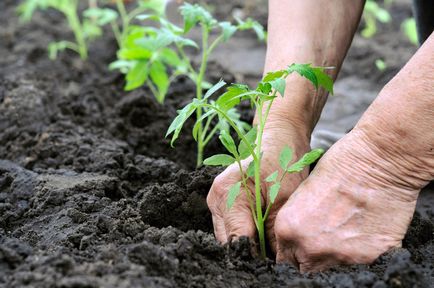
[227, 30]
[219, 160]
[264, 87]
[251, 138]
[199, 121]
[158, 6]
[305, 161]
[304, 70]
[123, 65]
[272, 177]
[193, 14]
[315, 75]
[228, 142]
[279, 85]
[160, 78]
[170, 57]
[91, 30]
[176, 125]
[229, 99]
[285, 157]
[410, 30]
[214, 88]
[274, 190]
[270, 76]
[324, 80]
[152, 43]
[249, 23]
[250, 172]
[233, 193]
[137, 76]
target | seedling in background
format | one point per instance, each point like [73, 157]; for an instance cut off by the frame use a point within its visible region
[371, 14]
[149, 55]
[83, 30]
[250, 144]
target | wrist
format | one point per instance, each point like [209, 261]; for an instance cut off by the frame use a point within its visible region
[299, 109]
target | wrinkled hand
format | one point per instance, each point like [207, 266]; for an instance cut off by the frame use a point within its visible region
[232, 223]
[352, 208]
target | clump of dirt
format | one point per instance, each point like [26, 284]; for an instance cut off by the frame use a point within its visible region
[92, 195]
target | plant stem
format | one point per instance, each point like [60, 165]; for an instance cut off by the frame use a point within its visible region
[249, 196]
[258, 195]
[199, 80]
[124, 18]
[74, 23]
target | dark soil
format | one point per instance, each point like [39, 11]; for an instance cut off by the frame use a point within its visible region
[92, 195]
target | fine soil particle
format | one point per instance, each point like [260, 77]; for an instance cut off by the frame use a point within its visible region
[92, 194]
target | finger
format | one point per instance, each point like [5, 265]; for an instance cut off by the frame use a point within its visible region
[238, 220]
[217, 215]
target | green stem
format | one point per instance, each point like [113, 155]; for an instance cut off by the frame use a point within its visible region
[74, 23]
[199, 80]
[124, 18]
[249, 196]
[235, 127]
[258, 195]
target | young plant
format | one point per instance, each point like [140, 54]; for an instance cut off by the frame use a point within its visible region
[371, 14]
[104, 15]
[250, 144]
[83, 30]
[149, 54]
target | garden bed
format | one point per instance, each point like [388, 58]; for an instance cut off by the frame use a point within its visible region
[92, 194]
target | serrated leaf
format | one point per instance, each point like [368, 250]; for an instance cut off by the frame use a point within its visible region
[305, 161]
[324, 80]
[229, 99]
[227, 30]
[160, 78]
[193, 14]
[285, 157]
[214, 88]
[264, 87]
[249, 23]
[279, 85]
[272, 177]
[251, 138]
[176, 125]
[233, 193]
[270, 76]
[219, 160]
[137, 75]
[304, 70]
[228, 142]
[274, 191]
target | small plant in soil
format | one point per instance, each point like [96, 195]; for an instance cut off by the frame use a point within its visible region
[250, 144]
[88, 25]
[150, 53]
[83, 30]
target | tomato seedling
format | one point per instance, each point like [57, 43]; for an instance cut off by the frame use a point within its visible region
[83, 30]
[250, 143]
[150, 53]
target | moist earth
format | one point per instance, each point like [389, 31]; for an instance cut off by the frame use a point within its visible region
[92, 194]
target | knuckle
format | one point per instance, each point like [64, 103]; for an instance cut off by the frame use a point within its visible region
[286, 229]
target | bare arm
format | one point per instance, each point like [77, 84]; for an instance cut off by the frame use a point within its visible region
[307, 31]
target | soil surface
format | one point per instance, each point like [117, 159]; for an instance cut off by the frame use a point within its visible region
[92, 195]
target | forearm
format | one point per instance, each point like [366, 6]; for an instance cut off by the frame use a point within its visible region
[307, 31]
[404, 113]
